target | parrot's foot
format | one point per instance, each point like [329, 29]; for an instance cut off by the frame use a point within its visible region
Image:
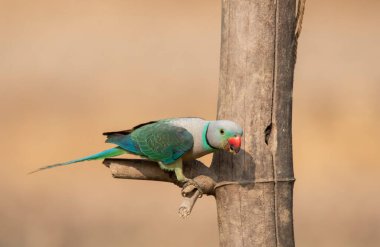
[189, 186]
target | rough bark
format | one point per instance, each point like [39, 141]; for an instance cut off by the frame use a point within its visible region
[141, 169]
[254, 201]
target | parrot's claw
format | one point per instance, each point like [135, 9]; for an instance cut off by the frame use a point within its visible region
[189, 186]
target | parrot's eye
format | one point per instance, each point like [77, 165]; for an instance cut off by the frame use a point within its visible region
[222, 131]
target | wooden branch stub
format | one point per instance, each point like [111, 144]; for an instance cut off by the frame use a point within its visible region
[137, 169]
[148, 170]
[299, 17]
[188, 204]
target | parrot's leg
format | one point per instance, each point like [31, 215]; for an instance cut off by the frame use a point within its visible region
[188, 184]
[179, 171]
[177, 168]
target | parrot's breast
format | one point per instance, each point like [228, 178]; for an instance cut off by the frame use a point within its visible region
[196, 127]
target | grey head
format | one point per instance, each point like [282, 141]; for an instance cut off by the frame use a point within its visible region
[224, 134]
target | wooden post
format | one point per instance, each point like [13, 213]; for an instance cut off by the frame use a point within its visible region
[254, 193]
[254, 189]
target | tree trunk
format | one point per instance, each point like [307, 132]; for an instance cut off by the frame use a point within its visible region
[254, 191]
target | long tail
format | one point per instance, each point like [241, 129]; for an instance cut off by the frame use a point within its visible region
[102, 155]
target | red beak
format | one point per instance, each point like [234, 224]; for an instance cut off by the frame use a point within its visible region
[235, 143]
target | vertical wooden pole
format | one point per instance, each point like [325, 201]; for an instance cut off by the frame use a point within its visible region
[254, 193]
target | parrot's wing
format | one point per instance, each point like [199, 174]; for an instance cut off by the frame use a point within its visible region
[159, 141]
[126, 132]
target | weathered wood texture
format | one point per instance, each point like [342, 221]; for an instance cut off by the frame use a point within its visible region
[254, 190]
[141, 169]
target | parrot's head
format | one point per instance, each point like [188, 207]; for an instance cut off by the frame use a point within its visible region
[225, 134]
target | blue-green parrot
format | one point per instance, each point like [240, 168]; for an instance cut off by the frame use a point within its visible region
[170, 141]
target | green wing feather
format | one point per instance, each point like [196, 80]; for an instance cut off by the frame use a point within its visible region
[162, 141]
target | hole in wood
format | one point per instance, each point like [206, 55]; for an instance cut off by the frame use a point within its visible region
[267, 133]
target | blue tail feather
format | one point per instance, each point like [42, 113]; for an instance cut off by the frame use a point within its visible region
[102, 155]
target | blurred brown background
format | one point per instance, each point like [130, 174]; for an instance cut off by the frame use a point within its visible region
[70, 70]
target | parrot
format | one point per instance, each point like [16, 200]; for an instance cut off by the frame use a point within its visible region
[169, 142]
